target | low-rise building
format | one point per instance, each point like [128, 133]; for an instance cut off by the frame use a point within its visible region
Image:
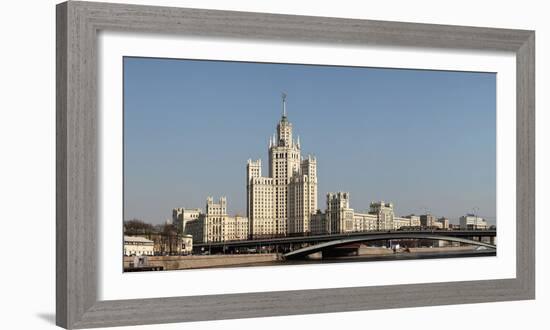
[365, 221]
[216, 225]
[186, 246]
[138, 246]
[401, 222]
[454, 226]
[444, 222]
[472, 222]
[341, 218]
[414, 220]
[427, 220]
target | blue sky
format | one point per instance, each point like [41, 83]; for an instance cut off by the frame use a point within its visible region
[425, 140]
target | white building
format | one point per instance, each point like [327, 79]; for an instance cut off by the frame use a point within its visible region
[444, 222]
[216, 225]
[385, 214]
[415, 220]
[339, 217]
[365, 221]
[138, 246]
[400, 222]
[181, 215]
[339, 214]
[427, 220]
[471, 221]
[187, 244]
[282, 202]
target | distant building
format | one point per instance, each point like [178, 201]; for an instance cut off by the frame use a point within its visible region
[284, 201]
[385, 214]
[216, 225]
[444, 222]
[399, 222]
[339, 214]
[340, 218]
[365, 221]
[427, 220]
[181, 215]
[186, 246]
[471, 221]
[196, 229]
[318, 223]
[414, 220]
[138, 246]
[454, 226]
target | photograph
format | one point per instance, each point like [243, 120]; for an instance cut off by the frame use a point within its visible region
[241, 164]
[268, 165]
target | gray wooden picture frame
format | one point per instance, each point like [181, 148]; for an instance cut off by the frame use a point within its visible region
[78, 24]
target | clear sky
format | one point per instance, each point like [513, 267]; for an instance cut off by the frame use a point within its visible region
[424, 140]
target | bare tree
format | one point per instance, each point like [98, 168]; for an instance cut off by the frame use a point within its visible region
[138, 227]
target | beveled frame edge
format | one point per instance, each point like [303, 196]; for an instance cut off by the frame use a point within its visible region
[77, 191]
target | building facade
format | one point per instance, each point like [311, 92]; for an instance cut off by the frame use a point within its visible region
[181, 215]
[365, 221]
[385, 214]
[427, 220]
[414, 219]
[338, 213]
[471, 221]
[215, 225]
[318, 223]
[339, 217]
[401, 222]
[283, 202]
[138, 246]
[186, 244]
[444, 222]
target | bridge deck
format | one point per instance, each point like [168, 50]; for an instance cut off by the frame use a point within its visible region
[388, 236]
[325, 238]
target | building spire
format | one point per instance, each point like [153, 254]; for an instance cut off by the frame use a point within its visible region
[284, 104]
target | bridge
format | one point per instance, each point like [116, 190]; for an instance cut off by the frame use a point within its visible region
[303, 252]
[316, 239]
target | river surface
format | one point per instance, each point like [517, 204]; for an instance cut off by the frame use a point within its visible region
[384, 257]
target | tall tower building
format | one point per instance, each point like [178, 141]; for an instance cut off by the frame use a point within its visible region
[302, 196]
[282, 202]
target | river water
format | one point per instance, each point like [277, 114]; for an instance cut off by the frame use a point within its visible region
[385, 257]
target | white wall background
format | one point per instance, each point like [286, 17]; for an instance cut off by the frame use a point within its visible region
[27, 163]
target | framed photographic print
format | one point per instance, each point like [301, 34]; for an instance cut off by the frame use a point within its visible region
[256, 164]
